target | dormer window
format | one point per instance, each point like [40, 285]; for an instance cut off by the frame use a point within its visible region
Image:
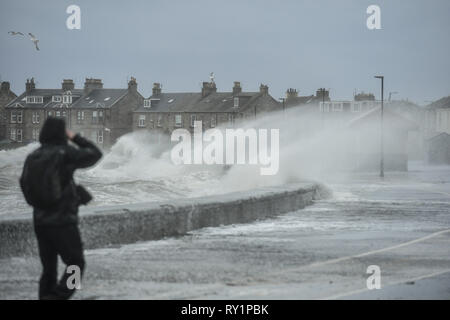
[67, 97]
[147, 103]
[35, 99]
[236, 102]
[56, 99]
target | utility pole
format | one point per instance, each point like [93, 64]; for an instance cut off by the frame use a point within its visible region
[381, 127]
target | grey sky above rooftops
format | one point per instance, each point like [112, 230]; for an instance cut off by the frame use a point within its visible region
[299, 44]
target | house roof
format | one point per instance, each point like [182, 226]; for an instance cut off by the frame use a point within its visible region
[97, 98]
[214, 102]
[440, 104]
[391, 119]
[100, 98]
[295, 101]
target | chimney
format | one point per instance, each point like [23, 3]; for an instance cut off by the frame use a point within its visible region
[156, 91]
[364, 97]
[132, 84]
[91, 84]
[264, 89]
[208, 88]
[30, 85]
[323, 94]
[291, 93]
[237, 88]
[5, 87]
[67, 85]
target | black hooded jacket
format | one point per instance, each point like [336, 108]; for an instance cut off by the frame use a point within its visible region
[53, 136]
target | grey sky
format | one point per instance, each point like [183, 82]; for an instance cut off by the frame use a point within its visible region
[299, 44]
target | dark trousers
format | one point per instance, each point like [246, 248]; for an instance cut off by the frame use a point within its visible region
[64, 241]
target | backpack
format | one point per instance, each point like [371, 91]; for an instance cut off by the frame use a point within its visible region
[41, 177]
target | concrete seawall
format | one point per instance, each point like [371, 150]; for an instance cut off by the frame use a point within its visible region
[114, 225]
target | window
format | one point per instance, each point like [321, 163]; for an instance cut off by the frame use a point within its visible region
[159, 123]
[64, 114]
[141, 122]
[80, 117]
[13, 117]
[178, 120]
[94, 117]
[58, 113]
[213, 121]
[19, 116]
[100, 136]
[35, 99]
[236, 102]
[35, 117]
[19, 135]
[56, 99]
[16, 116]
[50, 113]
[147, 103]
[230, 118]
[100, 116]
[35, 134]
[193, 119]
[67, 98]
[13, 135]
[356, 107]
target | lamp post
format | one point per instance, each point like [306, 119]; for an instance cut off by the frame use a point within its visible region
[381, 127]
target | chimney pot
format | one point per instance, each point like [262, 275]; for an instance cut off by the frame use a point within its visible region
[5, 86]
[132, 84]
[208, 88]
[156, 91]
[291, 93]
[264, 89]
[29, 86]
[91, 84]
[237, 87]
[67, 85]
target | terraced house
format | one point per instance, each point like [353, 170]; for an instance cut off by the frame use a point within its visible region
[163, 112]
[101, 114]
[6, 95]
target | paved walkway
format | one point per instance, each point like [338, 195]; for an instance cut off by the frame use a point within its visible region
[401, 224]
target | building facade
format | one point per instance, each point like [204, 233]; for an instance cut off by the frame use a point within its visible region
[98, 113]
[6, 95]
[437, 117]
[163, 112]
[436, 129]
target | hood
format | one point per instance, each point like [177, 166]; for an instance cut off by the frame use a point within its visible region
[53, 132]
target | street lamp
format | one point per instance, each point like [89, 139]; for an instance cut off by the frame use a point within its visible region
[381, 126]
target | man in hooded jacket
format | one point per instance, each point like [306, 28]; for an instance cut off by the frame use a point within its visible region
[56, 228]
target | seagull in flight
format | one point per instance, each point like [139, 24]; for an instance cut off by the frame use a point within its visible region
[34, 39]
[15, 33]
